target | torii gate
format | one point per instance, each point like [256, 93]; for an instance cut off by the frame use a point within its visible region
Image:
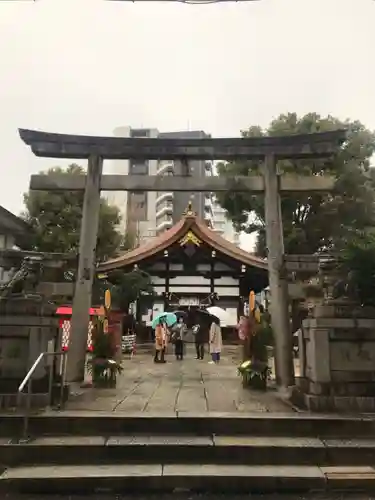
[271, 182]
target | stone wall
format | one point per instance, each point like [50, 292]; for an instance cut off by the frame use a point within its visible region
[337, 358]
[27, 328]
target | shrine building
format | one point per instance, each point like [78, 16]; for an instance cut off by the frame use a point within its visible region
[192, 266]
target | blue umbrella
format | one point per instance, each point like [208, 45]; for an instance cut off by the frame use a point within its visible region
[169, 318]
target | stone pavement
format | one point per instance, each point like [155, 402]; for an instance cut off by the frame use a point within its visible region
[178, 386]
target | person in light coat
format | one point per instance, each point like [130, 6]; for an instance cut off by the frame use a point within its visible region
[215, 341]
[160, 343]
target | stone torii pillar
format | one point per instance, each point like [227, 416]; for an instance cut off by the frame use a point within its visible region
[270, 149]
[277, 274]
[86, 270]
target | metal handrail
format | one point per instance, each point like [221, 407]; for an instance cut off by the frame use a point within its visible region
[27, 381]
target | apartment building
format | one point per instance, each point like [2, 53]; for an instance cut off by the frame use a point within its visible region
[148, 214]
[137, 209]
[222, 225]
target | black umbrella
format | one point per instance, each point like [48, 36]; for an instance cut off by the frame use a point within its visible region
[206, 316]
[180, 314]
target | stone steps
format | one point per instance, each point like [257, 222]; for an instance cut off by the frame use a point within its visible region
[81, 423]
[207, 477]
[76, 452]
[240, 450]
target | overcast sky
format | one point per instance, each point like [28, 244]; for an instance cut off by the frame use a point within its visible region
[88, 66]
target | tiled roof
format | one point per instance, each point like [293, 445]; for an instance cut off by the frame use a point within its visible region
[12, 222]
[189, 222]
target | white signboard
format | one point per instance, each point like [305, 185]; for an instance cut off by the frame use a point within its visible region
[189, 301]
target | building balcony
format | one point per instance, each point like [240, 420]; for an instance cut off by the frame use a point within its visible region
[165, 168]
[163, 225]
[162, 197]
[220, 226]
[208, 169]
[208, 202]
[163, 209]
[220, 220]
[208, 213]
[209, 219]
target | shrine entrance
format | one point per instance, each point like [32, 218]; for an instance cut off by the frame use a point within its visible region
[193, 268]
[270, 181]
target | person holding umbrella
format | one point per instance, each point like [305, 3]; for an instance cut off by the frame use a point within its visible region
[160, 325]
[159, 344]
[201, 330]
[178, 337]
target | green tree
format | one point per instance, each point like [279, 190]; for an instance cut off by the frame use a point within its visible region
[357, 265]
[125, 287]
[311, 221]
[56, 219]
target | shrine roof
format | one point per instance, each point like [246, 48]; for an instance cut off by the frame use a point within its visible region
[11, 224]
[189, 222]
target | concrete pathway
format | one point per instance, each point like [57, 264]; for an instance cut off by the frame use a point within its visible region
[178, 386]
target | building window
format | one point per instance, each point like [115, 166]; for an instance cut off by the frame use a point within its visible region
[138, 168]
[165, 168]
[137, 205]
[208, 211]
[208, 169]
[139, 133]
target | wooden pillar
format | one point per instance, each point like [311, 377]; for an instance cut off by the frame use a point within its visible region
[212, 272]
[85, 273]
[240, 307]
[277, 276]
[138, 309]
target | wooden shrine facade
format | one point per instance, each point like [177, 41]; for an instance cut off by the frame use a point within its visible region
[192, 266]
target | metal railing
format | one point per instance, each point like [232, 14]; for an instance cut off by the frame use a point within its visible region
[27, 381]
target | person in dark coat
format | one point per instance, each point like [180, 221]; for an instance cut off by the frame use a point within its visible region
[178, 337]
[200, 332]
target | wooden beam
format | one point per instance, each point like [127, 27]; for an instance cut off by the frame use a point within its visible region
[50, 145]
[288, 183]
